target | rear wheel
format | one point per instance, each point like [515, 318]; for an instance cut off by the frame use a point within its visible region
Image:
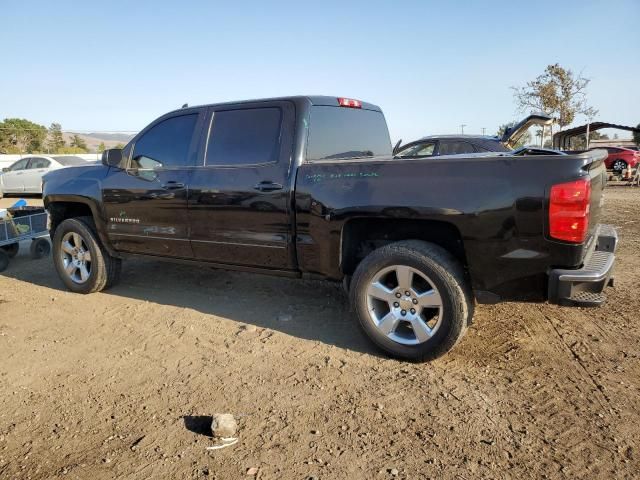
[412, 299]
[40, 248]
[619, 165]
[83, 264]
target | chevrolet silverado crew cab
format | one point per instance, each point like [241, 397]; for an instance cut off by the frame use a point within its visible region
[307, 187]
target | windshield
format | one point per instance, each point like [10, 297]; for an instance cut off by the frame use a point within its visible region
[69, 160]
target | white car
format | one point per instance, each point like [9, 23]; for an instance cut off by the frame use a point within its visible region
[25, 175]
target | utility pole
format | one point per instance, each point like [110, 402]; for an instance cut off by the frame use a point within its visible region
[484, 131]
[462, 128]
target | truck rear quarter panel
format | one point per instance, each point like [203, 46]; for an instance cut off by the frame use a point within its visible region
[497, 204]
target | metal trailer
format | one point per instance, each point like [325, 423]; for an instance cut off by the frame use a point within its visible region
[23, 223]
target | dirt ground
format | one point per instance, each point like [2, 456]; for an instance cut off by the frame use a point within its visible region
[121, 384]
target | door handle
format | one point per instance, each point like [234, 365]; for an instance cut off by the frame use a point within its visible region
[267, 186]
[172, 185]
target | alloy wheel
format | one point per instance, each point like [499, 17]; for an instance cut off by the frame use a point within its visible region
[404, 305]
[76, 257]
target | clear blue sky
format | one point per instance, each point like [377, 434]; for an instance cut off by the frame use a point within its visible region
[431, 66]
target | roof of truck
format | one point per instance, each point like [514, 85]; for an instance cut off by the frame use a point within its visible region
[323, 100]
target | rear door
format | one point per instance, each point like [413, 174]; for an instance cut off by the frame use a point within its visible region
[146, 203]
[239, 201]
[32, 177]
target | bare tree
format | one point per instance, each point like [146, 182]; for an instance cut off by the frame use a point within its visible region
[559, 93]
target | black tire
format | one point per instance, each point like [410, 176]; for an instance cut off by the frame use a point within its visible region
[4, 260]
[40, 248]
[113, 276]
[445, 274]
[11, 250]
[104, 268]
[619, 166]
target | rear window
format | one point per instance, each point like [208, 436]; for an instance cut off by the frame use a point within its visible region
[343, 133]
[70, 160]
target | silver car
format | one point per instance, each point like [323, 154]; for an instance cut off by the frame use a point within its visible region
[25, 175]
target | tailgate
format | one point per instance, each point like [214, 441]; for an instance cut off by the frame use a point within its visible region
[598, 174]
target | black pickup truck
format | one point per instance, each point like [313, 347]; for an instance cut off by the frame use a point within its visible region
[308, 187]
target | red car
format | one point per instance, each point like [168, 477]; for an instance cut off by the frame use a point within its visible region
[620, 158]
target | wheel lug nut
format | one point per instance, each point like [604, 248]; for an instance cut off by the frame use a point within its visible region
[396, 304]
[398, 295]
[407, 293]
[413, 310]
[403, 312]
[415, 301]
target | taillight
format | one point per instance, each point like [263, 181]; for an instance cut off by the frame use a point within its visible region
[569, 210]
[349, 102]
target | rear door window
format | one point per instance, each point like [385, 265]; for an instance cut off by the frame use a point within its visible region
[455, 147]
[39, 163]
[250, 136]
[344, 133]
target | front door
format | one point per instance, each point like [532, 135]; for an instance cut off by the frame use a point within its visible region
[146, 203]
[239, 201]
[12, 179]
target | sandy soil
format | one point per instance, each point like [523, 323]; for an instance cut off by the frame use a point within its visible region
[120, 384]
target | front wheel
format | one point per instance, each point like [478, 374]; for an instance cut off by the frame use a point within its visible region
[412, 299]
[4, 260]
[12, 249]
[82, 263]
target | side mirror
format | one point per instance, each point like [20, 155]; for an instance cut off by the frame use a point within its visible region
[112, 157]
[5, 169]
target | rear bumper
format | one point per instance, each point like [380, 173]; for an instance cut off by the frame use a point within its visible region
[584, 286]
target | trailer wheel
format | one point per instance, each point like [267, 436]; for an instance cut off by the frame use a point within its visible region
[4, 260]
[40, 248]
[11, 250]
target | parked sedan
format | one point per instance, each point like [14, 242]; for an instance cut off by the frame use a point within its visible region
[437, 145]
[620, 158]
[25, 175]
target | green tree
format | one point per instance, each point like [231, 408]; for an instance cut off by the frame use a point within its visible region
[78, 142]
[18, 135]
[120, 145]
[525, 138]
[68, 150]
[558, 92]
[55, 140]
[102, 147]
[636, 136]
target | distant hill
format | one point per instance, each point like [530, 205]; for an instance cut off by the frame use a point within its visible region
[116, 137]
[93, 140]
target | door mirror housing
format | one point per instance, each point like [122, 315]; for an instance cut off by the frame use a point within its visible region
[5, 169]
[112, 157]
